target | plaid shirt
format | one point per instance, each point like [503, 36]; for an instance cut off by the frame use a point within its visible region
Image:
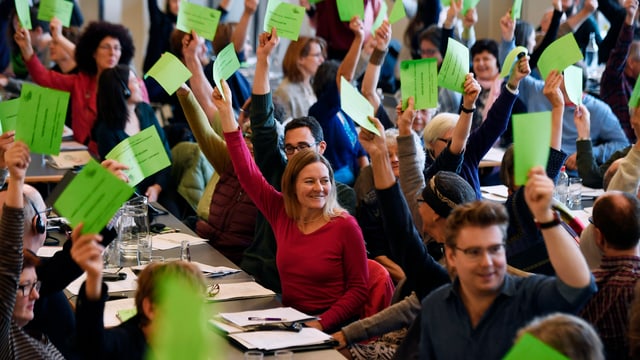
[608, 310]
[615, 86]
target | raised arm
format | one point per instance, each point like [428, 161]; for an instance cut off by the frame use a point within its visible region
[411, 158]
[575, 21]
[554, 94]
[55, 27]
[372, 74]
[240, 33]
[266, 43]
[627, 177]
[348, 65]
[463, 127]
[565, 256]
[200, 86]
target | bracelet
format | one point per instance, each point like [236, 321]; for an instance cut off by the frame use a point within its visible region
[583, 139]
[510, 87]
[548, 225]
[377, 57]
[467, 111]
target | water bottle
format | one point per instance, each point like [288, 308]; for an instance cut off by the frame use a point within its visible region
[562, 186]
[591, 53]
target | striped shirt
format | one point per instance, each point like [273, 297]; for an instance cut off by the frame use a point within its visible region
[14, 342]
[608, 310]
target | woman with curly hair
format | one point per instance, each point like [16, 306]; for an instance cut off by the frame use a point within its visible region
[101, 46]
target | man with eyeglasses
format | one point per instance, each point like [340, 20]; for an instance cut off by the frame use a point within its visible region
[479, 314]
[272, 151]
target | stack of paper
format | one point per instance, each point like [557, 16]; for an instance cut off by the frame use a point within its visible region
[173, 240]
[215, 271]
[243, 290]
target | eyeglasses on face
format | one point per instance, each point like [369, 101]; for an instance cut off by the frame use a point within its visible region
[109, 47]
[27, 289]
[290, 149]
[476, 253]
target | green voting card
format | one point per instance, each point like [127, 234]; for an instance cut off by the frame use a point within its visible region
[516, 9]
[202, 19]
[466, 4]
[419, 78]
[531, 140]
[286, 18]
[41, 116]
[634, 99]
[143, 153]
[169, 72]
[60, 9]
[573, 83]
[455, 67]
[382, 14]
[559, 55]
[9, 114]
[356, 106]
[511, 59]
[349, 8]
[92, 198]
[22, 9]
[397, 12]
[225, 65]
[531, 348]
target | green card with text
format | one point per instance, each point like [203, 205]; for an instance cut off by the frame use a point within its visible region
[22, 9]
[60, 9]
[41, 117]
[9, 114]
[204, 20]
[286, 18]
[144, 154]
[225, 65]
[530, 347]
[531, 140]
[356, 106]
[455, 67]
[349, 8]
[559, 55]
[419, 78]
[92, 198]
[169, 72]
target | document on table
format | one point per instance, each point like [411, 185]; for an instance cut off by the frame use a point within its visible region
[243, 290]
[111, 309]
[284, 314]
[214, 271]
[274, 340]
[173, 240]
[128, 284]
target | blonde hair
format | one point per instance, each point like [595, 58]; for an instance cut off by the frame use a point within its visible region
[438, 125]
[154, 273]
[295, 165]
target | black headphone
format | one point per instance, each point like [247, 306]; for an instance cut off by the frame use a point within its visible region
[39, 225]
[125, 88]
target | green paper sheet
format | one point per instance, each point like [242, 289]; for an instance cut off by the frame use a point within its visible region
[468, 4]
[397, 12]
[530, 348]
[559, 55]
[356, 106]
[143, 153]
[573, 83]
[314, 1]
[382, 14]
[531, 139]
[41, 118]
[511, 59]
[169, 72]
[634, 99]
[286, 18]
[92, 198]
[22, 8]
[60, 9]
[202, 19]
[516, 9]
[348, 8]
[225, 65]
[9, 114]
[419, 78]
[455, 67]
[180, 327]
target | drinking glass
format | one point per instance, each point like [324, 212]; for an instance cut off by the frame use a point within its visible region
[574, 200]
[134, 240]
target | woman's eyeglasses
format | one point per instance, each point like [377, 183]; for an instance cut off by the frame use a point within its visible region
[27, 289]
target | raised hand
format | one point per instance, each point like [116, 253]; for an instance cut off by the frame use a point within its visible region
[116, 168]
[190, 45]
[86, 251]
[250, 6]
[6, 140]
[471, 91]
[406, 117]
[538, 194]
[383, 36]
[452, 13]
[520, 70]
[266, 43]
[55, 28]
[223, 104]
[470, 18]
[17, 158]
[552, 88]
[631, 7]
[357, 26]
[372, 143]
[23, 39]
[582, 119]
[507, 26]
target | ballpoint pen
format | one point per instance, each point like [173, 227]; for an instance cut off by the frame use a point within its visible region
[254, 318]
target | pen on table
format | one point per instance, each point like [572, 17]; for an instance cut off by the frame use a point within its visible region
[253, 318]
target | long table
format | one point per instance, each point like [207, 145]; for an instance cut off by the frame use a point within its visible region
[206, 254]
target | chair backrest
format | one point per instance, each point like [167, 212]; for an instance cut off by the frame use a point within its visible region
[380, 289]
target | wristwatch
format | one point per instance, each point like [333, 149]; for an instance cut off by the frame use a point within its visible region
[549, 224]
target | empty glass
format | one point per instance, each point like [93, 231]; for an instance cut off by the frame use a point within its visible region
[574, 200]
